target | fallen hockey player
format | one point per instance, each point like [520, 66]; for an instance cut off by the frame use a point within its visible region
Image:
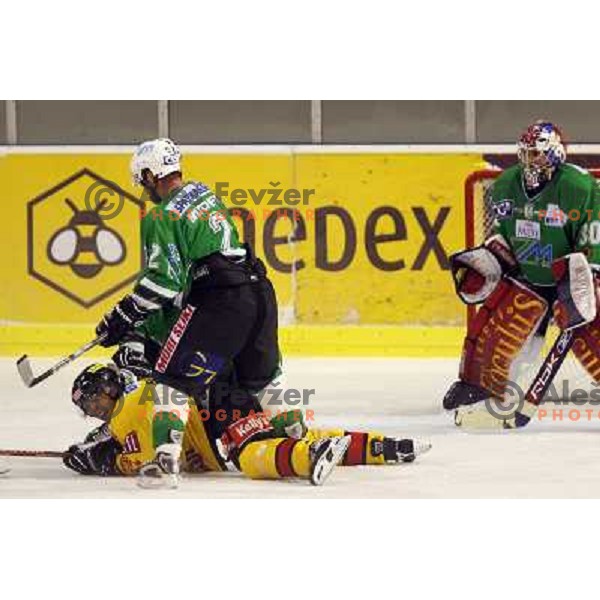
[259, 447]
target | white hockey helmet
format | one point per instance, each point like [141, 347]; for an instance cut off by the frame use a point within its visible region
[161, 157]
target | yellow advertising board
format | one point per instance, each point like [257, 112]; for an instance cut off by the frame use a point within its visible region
[349, 239]
[378, 241]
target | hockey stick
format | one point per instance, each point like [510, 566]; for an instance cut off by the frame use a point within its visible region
[542, 380]
[528, 405]
[33, 453]
[26, 372]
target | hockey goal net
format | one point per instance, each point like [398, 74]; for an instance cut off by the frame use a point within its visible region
[479, 225]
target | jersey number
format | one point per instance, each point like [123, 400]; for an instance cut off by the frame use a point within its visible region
[590, 234]
[219, 224]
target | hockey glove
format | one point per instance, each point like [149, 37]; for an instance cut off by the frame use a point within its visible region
[98, 434]
[124, 317]
[96, 458]
[478, 271]
[130, 356]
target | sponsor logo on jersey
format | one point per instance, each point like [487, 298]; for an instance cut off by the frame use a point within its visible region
[529, 211]
[504, 209]
[535, 253]
[554, 217]
[186, 198]
[174, 338]
[245, 429]
[528, 230]
[131, 444]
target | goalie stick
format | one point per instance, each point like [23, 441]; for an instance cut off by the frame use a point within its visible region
[527, 407]
[26, 372]
[543, 379]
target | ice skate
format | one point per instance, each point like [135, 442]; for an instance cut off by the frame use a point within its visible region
[161, 473]
[325, 455]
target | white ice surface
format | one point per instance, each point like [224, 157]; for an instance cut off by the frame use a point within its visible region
[396, 396]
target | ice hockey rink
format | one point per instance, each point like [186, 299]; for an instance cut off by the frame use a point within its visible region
[550, 459]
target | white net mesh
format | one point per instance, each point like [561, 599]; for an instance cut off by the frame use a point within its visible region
[479, 224]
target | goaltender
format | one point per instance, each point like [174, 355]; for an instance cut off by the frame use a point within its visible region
[542, 262]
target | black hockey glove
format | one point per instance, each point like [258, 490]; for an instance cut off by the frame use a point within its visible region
[96, 458]
[130, 356]
[99, 434]
[124, 317]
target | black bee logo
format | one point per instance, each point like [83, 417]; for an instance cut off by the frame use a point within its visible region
[86, 244]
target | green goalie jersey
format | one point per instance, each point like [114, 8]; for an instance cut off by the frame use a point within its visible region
[563, 218]
[189, 225]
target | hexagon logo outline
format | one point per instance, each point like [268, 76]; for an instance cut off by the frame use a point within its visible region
[31, 269]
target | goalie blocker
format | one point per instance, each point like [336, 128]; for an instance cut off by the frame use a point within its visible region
[514, 314]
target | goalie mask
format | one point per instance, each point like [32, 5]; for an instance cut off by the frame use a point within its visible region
[96, 390]
[540, 151]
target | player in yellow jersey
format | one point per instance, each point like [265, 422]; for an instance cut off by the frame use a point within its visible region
[242, 437]
[125, 442]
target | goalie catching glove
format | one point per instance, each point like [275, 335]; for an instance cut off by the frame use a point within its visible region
[477, 271]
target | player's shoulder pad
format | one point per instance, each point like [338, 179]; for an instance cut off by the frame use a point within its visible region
[576, 177]
[191, 192]
[505, 180]
[510, 173]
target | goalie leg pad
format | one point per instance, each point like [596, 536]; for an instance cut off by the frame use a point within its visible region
[586, 342]
[501, 329]
[586, 347]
